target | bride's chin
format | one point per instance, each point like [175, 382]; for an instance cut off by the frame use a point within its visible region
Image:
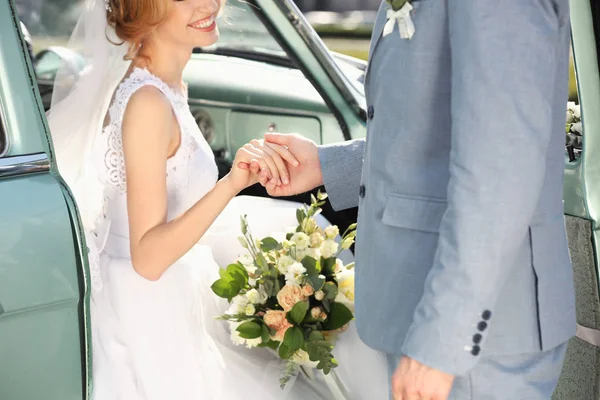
[208, 39]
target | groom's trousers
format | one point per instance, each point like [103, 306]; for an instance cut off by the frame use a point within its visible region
[523, 376]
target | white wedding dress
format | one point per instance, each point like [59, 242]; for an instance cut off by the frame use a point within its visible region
[159, 340]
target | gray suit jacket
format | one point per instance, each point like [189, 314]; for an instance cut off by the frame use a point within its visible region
[461, 247]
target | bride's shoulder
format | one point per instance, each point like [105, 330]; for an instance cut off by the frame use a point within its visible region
[148, 110]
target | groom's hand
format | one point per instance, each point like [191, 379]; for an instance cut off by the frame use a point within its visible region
[304, 177]
[415, 381]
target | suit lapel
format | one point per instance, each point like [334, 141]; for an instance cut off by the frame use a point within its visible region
[376, 35]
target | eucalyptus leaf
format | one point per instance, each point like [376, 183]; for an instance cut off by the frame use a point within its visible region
[268, 244]
[293, 339]
[331, 290]
[298, 312]
[311, 266]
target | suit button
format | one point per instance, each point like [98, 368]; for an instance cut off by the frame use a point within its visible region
[370, 112]
[481, 326]
[475, 350]
[362, 190]
[477, 338]
[487, 314]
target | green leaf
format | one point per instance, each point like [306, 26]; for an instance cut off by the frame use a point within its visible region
[327, 266]
[244, 224]
[289, 236]
[316, 335]
[326, 304]
[313, 199]
[224, 289]
[237, 274]
[293, 339]
[266, 336]
[316, 282]
[250, 330]
[262, 262]
[298, 312]
[339, 315]
[331, 290]
[285, 351]
[300, 215]
[270, 344]
[268, 244]
[223, 273]
[311, 265]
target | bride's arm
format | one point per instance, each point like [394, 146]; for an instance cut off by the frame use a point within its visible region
[148, 127]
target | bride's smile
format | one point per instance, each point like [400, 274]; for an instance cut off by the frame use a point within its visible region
[206, 24]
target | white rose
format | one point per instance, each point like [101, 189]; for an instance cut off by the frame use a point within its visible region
[332, 231]
[248, 262]
[315, 312]
[284, 263]
[238, 305]
[252, 282]
[316, 240]
[319, 295]
[253, 296]
[295, 273]
[329, 248]
[250, 310]
[577, 127]
[314, 253]
[301, 240]
[301, 253]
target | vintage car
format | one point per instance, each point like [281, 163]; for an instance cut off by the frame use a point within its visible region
[270, 71]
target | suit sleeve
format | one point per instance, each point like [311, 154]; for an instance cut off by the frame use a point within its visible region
[504, 66]
[341, 165]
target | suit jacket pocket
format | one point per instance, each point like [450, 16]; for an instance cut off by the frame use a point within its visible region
[415, 213]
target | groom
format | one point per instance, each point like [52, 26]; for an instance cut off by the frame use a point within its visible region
[463, 272]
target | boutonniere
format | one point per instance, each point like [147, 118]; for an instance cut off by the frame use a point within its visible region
[400, 12]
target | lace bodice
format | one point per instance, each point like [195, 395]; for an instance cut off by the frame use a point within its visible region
[190, 173]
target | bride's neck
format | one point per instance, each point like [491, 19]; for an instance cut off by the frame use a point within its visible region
[165, 62]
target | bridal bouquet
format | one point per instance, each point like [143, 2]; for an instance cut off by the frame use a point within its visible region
[294, 296]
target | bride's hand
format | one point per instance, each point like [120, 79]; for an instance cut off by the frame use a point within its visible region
[257, 162]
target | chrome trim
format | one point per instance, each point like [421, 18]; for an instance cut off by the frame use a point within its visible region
[255, 108]
[23, 165]
[323, 55]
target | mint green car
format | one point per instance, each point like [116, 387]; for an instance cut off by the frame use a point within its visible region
[270, 71]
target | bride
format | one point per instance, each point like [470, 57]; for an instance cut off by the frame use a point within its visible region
[147, 188]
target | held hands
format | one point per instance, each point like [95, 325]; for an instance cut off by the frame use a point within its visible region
[257, 162]
[303, 177]
[415, 381]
